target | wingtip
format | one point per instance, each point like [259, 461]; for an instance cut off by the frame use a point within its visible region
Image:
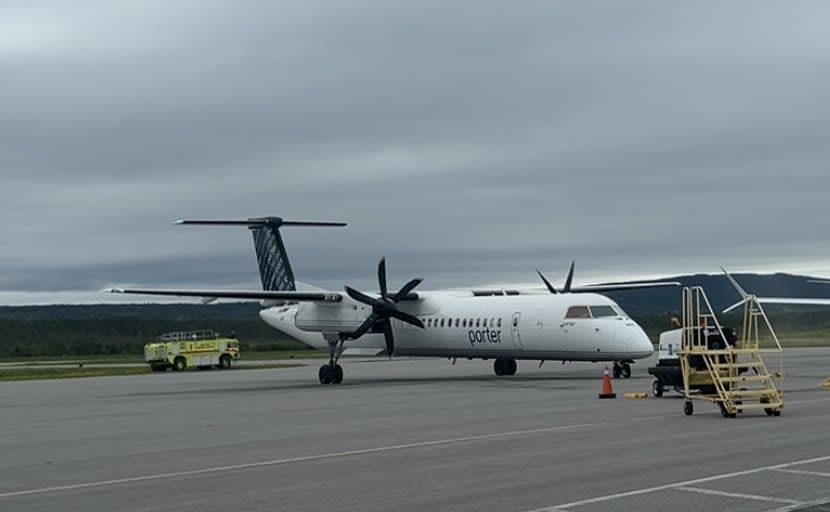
[178, 222]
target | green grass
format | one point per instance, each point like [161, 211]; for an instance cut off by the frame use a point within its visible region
[40, 372]
[139, 358]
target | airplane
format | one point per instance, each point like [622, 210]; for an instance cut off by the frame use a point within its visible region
[574, 323]
[745, 297]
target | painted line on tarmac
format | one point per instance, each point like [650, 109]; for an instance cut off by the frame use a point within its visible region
[805, 505]
[279, 462]
[802, 472]
[741, 496]
[675, 485]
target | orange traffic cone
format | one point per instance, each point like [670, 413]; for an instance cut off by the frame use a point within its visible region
[607, 391]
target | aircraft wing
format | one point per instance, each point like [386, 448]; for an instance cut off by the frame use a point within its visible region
[300, 296]
[603, 288]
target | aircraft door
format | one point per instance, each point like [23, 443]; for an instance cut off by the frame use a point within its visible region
[514, 330]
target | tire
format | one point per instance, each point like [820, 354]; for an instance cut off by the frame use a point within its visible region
[626, 371]
[325, 374]
[499, 367]
[617, 371]
[511, 367]
[179, 364]
[225, 362]
[338, 374]
[657, 389]
[767, 410]
[688, 408]
[723, 411]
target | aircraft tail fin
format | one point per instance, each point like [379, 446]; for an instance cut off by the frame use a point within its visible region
[274, 268]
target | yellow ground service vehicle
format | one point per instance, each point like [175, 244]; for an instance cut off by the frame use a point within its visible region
[200, 349]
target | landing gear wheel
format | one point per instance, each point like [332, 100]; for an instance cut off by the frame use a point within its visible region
[617, 371]
[688, 408]
[325, 374]
[499, 367]
[338, 374]
[657, 389]
[225, 362]
[179, 364]
[626, 370]
[511, 367]
[776, 412]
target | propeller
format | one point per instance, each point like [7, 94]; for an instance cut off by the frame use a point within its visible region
[568, 281]
[384, 308]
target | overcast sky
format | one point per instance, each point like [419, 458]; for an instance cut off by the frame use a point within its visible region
[469, 141]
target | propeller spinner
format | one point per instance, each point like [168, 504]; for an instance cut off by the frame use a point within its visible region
[384, 308]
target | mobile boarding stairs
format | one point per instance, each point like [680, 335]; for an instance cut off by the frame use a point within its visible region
[728, 371]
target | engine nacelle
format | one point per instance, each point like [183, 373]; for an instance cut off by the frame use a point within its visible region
[330, 317]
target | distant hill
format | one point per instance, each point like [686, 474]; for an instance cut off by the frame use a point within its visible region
[124, 328]
[721, 294]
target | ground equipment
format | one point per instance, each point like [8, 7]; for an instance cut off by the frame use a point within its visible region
[726, 368]
[200, 349]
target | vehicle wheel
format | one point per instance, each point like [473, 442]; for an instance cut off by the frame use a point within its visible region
[617, 371]
[325, 374]
[657, 388]
[511, 367]
[179, 364]
[498, 367]
[338, 374]
[626, 371]
[723, 411]
[776, 412]
[688, 408]
[767, 410]
[225, 362]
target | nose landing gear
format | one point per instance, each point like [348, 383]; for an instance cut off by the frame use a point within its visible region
[332, 373]
[622, 370]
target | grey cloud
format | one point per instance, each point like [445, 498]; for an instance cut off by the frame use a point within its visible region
[471, 143]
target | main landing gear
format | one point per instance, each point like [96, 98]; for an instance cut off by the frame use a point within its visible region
[332, 373]
[622, 370]
[505, 366]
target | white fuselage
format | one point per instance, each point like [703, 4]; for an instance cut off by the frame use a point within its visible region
[566, 327]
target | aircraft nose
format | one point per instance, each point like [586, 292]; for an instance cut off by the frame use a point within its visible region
[639, 342]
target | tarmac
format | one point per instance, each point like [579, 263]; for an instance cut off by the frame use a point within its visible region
[407, 435]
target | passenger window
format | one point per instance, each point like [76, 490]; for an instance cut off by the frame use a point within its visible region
[478, 321]
[457, 321]
[464, 323]
[498, 322]
[578, 312]
[442, 322]
[602, 311]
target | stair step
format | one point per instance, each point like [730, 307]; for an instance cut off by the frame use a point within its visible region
[751, 393]
[750, 378]
[755, 406]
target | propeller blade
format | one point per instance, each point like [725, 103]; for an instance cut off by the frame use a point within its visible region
[406, 317]
[365, 326]
[736, 305]
[405, 289]
[361, 297]
[382, 277]
[569, 280]
[551, 289]
[387, 335]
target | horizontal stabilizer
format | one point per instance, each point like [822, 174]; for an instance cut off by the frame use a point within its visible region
[258, 222]
[236, 294]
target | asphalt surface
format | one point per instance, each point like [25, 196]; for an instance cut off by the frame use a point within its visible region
[406, 435]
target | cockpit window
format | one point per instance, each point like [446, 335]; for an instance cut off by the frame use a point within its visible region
[578, 312]
[602, 311]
